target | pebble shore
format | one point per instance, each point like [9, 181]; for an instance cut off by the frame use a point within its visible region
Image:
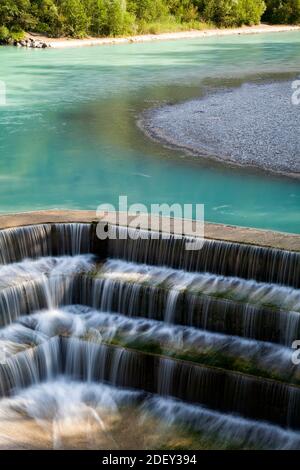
[256, 125]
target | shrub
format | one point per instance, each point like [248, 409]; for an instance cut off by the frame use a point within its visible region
[148, 10]
[4, 33]
[183, 10]
[233, 12]
[282, 11]
[16, 34]
[74, 18]
[48, 18]
[249, 12]
[97, 11]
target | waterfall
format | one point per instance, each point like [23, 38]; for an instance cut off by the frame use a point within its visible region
[228, 259]
[35, 241]
[30, 367]
[228, 428]
[67, 403]
[25, 242]
[35, 285]
[198, 345]
[186, 308]
[218, 257]
[166, 371]
[202, 339]
[139, 299]
[79, 360]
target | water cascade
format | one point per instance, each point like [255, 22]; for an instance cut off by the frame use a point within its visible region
[192, 341]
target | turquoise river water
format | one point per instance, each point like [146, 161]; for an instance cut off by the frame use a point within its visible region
[69, 138]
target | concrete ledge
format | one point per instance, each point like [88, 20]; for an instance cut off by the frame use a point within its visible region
[227, 233]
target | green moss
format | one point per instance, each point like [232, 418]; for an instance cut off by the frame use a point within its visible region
[207, 357]
[189, 439]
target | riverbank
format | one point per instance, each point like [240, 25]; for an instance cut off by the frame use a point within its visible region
[262, 131]
[58, 43]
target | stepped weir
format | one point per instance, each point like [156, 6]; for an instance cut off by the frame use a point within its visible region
[196, 344]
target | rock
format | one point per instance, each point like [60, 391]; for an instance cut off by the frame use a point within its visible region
[32, 43]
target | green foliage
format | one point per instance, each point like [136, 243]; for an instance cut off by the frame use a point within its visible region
[80, 18]
[170, 25]
[119, 20]
[16, 35]
[233, 12]
[184, 10]
[16, 14]
[148, 10]
[220, 12]
[249, 12]
[4, 33]
[97, 12]
[47, 15]
[74, 18]
[282, 11]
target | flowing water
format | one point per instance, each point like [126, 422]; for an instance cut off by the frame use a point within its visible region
[69, 138]
[100, 350]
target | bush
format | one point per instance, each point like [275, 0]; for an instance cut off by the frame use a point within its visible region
[109, 18]
[233, 12]
[74, 18]
[119, 20]
[97, 12]
[16, 34]
[148, 10]
[282, 11]
[48, 18]
[183, 10]
[249, 12]
[4, 34]
[16, 13]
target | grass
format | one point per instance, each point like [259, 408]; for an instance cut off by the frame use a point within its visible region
[170, 25]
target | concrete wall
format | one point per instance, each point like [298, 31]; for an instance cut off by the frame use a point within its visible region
[227, 233]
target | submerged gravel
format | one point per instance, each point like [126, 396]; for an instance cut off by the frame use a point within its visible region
[255, 125]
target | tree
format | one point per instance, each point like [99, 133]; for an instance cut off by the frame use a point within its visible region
[49, 20]
[74, 18]
[4, 34]
[282, 11]
[249, 12]
[232, 12]
[15, 14]
[184, 10]
[97, 11]
[220, 12]
[119, 20]
[148, 10]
